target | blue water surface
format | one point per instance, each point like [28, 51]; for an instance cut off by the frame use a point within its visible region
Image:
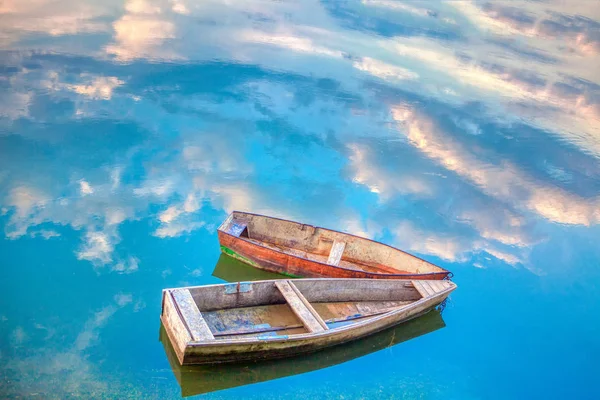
[465, 132]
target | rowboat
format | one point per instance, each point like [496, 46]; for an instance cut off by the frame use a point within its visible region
[199, 379]
[299, 250]
[281, 318]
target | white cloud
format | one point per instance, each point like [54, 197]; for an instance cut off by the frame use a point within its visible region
[85, 188]
[384, 70]
[26, 202]
[22, 18]
[114, 216]
[506, 257]
[369, 171]
[142, 7]
[484, 21]
[100, 88]
[128, 266]
[180, 8]
[97, 248]
[452, 247]
[123, 299]
[179, 219]
[25, 199]
[449, 248]
[293, 43]
[177, 229]
[398, 6]
[45, 233]
[96, 211]
[505, 182]
[142, 36]
[170, 214]
[159, 188]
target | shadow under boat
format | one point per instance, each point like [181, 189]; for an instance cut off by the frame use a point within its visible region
[231, 270]
[200, 379]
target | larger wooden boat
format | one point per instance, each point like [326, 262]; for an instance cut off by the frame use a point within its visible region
[199, 379]
[306, 251]
[281, 318]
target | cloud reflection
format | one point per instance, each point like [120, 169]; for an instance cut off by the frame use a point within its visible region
[235, 104]
[505, 181]
[62, 372]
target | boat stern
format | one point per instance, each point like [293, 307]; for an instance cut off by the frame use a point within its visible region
[174, 326]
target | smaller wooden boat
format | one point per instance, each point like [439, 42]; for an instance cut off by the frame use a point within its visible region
[281, 318]
[298, 250]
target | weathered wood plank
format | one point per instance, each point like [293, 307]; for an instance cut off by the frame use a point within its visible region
[301, 307]
[191, 315]
[178, 333]
[428, 287]
[307, 304]
[422, 291]
[432, 290]
[437, 286]
[335, 255]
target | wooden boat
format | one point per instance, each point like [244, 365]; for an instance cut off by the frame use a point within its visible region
[199, 379]
[298, 250]
[280, 318]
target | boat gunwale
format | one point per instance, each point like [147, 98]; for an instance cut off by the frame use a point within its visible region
[303, 280]
[313, 335]
[443, 271]
[325, 333]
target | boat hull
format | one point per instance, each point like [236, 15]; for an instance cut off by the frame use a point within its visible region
[289, 347]
[287, 264]
[195, 380]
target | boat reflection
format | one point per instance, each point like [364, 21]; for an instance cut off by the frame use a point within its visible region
[231, 270]
[199, 379]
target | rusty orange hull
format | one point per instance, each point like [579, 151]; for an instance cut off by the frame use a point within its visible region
[246, 242]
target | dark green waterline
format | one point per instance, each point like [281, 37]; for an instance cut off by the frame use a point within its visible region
[226, 250]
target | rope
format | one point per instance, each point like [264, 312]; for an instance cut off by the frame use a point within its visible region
[442, 306]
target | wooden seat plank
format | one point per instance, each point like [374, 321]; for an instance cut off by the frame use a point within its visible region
[430, 287]
[335, 255]
[421, 289]
[301, 307]
[191, 315]
[439, 286]
[434, 286]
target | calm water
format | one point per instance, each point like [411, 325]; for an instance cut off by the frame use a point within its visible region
[465, 132]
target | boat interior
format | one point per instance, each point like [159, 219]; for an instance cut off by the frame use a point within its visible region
[324, 245]
[279, 308]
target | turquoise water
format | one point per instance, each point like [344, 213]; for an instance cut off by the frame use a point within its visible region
[464, 132]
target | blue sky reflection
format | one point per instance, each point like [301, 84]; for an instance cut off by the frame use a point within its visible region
[466, 132]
